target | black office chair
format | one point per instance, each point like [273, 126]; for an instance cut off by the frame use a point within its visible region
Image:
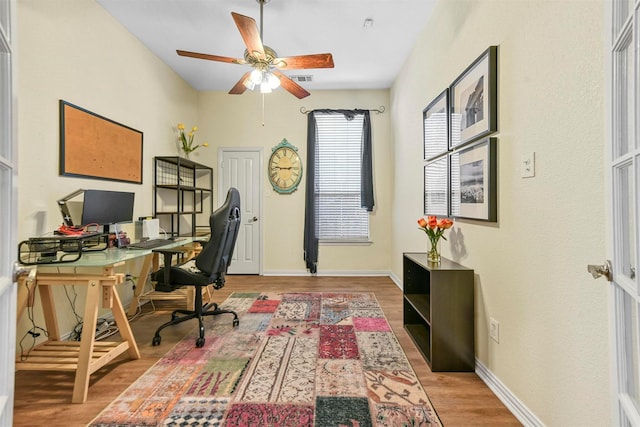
[208, 268]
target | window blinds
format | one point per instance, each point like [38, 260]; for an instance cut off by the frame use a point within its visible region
[338, 178]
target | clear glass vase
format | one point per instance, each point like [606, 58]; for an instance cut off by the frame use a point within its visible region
[433, 256]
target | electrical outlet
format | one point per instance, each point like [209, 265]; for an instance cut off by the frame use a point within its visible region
[494, 329]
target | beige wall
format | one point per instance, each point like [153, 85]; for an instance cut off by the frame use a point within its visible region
[237, 121]
[531, 265]
[74, 50]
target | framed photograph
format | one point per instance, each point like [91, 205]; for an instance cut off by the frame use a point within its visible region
[473, 96]
[435, 123]
[436, 187]
[93, 146]
[474, 186]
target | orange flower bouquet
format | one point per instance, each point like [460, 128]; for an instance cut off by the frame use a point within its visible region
[434, 229]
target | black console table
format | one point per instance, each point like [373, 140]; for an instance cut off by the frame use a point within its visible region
[438, 303]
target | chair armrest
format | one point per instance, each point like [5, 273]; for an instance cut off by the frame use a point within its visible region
[168, 255]
[170, 251]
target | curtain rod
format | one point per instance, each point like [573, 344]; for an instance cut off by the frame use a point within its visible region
[378, 110]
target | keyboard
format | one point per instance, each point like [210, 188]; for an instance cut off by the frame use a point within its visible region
[150, 244]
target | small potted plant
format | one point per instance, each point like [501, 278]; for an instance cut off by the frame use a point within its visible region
[186, 140]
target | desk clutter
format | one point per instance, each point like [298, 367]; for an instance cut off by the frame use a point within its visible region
[69, 242]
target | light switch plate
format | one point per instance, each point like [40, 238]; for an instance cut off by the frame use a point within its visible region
[528, 165]
[494, 330]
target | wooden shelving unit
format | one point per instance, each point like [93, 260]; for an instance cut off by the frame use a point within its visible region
[438, 304]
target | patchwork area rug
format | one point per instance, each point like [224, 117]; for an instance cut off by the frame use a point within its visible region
[296, 359]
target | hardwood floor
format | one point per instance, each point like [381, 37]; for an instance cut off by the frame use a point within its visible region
[44, 398]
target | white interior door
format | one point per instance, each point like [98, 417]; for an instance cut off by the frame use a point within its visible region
[8, 210]
[242, 169]
[624, 169]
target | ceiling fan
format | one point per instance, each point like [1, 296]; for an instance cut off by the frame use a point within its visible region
[265, 62]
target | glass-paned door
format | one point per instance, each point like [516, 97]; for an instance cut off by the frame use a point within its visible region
[625, 191]
[8, 211]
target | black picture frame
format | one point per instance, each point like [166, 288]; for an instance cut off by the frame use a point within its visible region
[436, 187]
[474, 100]
[435, 126]
[474, 183]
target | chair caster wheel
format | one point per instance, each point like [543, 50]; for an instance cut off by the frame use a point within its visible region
[199, 342]
[156, 340]
[236, 322]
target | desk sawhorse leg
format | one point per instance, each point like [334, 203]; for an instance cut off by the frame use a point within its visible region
[87, 356]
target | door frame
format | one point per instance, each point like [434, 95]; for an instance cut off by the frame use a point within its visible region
[260, 186]
[9, 208]
[622, 354]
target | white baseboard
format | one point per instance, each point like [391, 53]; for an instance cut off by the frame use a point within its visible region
[396, 280]
[285, 273]
[517, 408]
[345, 273]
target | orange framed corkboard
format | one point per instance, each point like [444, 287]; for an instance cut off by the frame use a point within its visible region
[92, 146]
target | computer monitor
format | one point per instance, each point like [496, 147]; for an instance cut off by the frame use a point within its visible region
[107, 207]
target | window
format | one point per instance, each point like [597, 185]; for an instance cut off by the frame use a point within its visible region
[338, 170]
[339, 192]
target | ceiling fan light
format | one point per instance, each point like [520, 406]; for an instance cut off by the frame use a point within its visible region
[273, 81]
[265, 88]
[256, 76]
[248, 83]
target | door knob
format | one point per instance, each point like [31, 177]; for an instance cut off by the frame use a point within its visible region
[254, 219]
[605, 270]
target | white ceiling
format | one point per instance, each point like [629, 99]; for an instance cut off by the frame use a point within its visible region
[365, 58]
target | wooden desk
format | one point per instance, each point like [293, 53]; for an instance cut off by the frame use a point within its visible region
[88, 355]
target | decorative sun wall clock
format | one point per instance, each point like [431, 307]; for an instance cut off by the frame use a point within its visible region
[285, 168]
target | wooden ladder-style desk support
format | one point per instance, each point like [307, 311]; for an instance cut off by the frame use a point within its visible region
[87, 356]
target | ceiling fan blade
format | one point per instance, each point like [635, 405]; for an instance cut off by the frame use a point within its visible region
[291, 86]
[250, 34]
[211, 57]
[320, 60]
[239, 87]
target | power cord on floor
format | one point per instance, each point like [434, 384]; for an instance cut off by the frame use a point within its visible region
[35, 330]
[139, 312]
[77, 329]
[105, 330]
[104, 327]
